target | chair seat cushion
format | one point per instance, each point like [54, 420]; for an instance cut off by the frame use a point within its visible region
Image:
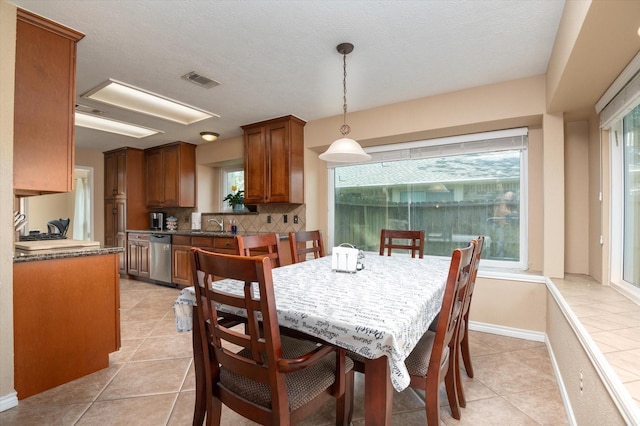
[417, 362]
[302, 386]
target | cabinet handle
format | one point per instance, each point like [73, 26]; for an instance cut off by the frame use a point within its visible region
[227, 243]
[114, 191]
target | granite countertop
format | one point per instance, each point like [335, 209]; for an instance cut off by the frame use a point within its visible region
[193, 233]
[20, 256]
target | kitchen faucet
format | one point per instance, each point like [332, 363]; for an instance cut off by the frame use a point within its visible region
[219, 222]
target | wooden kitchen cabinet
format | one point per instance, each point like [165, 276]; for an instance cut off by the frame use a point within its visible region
[274, 161]
[45, 92]
[227, 245]
[66, 320]
[181, 254]
[124, 205]
[114, 228]
[181, 265]
[115, 173]
[171, 175]
[138, 255]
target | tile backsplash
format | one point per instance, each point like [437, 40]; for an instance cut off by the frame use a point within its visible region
[249, 222]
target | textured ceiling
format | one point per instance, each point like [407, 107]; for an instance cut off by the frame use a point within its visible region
[274, 58]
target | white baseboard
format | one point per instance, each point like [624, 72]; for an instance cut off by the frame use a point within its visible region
[8, 401]
[518, 333]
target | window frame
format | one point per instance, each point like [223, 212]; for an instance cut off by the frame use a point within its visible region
[457, 145]
[616, 213]
[224, 183]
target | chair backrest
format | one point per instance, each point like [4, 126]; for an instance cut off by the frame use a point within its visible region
[261, 341]
[260, 245]
[254, 370]
[446, 331]
[300, 248]
[477, 253]
[415, 243]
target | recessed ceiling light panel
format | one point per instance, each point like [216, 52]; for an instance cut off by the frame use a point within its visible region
[113, 126]
[132, 98]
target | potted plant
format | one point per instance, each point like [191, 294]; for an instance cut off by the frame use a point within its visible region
[235, 199]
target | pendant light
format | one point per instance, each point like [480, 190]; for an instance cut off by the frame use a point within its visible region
[345, 150]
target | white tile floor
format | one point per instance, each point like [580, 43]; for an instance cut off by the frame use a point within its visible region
[150, 380]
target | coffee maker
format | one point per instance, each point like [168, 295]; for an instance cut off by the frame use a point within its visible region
[156, 221]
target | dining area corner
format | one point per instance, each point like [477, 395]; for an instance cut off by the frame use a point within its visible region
[380, 316]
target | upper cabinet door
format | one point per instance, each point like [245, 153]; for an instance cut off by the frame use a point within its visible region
[115, 174]
[171, 175]
[279, 158]
[155, 178]
[274, 161]
[44, 137]
[255, 165]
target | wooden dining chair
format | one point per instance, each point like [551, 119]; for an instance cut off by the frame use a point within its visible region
[260, 374]
[415, 243]
[432, 361]
[463, 334]
[303, 243]
[261, 245]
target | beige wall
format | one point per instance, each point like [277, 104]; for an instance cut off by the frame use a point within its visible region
[43, 208]
[519, 305]
[577, 197]
[95, 160]
[7, 70]
[535, 200]
[208, 191]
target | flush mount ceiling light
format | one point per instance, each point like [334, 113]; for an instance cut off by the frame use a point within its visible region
[113, 126]
[209, 136]
[135, 99]
[345, 150]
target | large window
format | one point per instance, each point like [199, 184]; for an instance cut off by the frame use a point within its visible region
[619, 110]
[453, 188]
[625, 199]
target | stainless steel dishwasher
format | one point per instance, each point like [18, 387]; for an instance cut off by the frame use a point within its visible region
[160, 258]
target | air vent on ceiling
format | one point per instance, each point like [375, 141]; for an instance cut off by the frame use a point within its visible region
[88, 109]
[200, 80]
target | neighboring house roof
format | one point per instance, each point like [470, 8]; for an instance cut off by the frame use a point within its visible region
[504, 165]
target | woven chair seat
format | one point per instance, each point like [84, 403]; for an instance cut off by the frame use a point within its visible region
[302, 386]
[417, 362]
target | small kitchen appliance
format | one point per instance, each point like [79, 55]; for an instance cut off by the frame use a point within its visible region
[156, 221]
[58, 226]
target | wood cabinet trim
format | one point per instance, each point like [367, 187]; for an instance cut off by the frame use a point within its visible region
[49, 25]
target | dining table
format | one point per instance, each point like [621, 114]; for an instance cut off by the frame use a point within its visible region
[379, 312]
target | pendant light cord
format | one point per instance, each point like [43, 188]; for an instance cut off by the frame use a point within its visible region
[344, 129]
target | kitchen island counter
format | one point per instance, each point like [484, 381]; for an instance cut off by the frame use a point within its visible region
[20, 256]
[66, 316]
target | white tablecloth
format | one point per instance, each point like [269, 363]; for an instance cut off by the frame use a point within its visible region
[382, 310]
